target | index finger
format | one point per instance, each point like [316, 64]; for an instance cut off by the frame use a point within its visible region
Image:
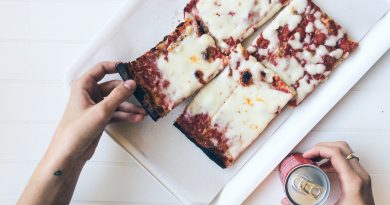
[100, 70]
[338, 160]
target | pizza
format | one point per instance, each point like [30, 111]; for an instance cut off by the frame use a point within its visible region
[230, 22]
[177, 67]
[302, 45]
[238, 91]
[231, 111]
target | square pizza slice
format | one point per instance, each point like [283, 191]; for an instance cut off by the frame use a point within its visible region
[177, 67]
[229, 113]
[302, 45]
[231, 21]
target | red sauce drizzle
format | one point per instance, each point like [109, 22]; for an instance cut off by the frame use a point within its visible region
[347, 45]
[329, 62]
[212, 53]
[283, 33]
[280, 85]
[231, 42]
[283, 2]
[319, 38]
[261, 42]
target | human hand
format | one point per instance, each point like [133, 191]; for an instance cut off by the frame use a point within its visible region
[354, 179]
[91, 106]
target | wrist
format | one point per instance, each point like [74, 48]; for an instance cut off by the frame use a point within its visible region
[61, 163]
[66, 146]
[356, 200]
[64, 159]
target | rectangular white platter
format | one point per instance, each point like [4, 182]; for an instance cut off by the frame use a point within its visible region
[169, 156]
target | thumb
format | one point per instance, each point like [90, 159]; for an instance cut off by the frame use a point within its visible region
[120, 94]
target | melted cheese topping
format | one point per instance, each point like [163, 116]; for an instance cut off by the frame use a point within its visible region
[337, 53]
[184, 59]
[332, 40]
[306, 86]
[310, 57]
[247, 113]
[289, 69]
[212, 96]
[314, 69]
[296, 43]
[235, 18]
[318, 23]
[313, 58]
[290, 16]
[309, 28]
[240, 112]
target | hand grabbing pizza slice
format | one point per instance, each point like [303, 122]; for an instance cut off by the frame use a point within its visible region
[177, 67]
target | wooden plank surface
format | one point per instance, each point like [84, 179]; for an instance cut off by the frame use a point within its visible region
[39, 38]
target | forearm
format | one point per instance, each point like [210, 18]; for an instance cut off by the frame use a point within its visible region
[53, 181]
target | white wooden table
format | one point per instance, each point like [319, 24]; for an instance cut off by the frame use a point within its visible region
[39, 38]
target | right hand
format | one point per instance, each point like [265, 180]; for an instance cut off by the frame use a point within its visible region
[354, 179]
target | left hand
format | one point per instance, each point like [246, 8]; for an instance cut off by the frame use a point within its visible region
[91, 106]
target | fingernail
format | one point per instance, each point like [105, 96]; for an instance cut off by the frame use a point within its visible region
[129, 84]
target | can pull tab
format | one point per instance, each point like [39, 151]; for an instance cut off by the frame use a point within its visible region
[303, 185]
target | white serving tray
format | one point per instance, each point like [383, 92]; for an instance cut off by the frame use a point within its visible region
[178, 164]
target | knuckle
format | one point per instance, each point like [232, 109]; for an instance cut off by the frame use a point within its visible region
[134, 118]
[117, 93]
[357, 181]
[131, 118]
[80, 83]
[344, 145]
[366, 178]
[75, 84]
[336, 150]
[100, 63]
[103, 112]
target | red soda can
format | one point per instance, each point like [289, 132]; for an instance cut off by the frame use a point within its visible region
[304, 181]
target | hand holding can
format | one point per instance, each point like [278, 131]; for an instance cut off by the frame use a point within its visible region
[354, 179]
[304, 182]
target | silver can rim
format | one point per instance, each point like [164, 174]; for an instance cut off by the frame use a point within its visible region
[327, 193]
